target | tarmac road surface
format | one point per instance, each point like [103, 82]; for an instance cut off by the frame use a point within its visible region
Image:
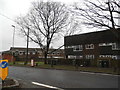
[61, 79]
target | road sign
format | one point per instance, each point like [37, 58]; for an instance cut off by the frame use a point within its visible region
[3, 69]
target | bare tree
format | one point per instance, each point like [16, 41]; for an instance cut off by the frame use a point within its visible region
[100, 13]
[45, 21]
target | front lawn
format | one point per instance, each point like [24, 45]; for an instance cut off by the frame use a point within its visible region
[68, 67]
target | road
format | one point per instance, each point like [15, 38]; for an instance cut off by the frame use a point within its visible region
[62, 79]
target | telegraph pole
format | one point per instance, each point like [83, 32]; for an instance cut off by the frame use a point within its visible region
[26, 61]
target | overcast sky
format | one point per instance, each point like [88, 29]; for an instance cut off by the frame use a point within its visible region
[12, 9]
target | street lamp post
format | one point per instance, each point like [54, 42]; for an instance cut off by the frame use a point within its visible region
[13, 42]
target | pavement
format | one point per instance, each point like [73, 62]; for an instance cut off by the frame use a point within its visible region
[26, 84]
[30, 77]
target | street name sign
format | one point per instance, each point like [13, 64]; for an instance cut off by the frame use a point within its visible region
[3, 69]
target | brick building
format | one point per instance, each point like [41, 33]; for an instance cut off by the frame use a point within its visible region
[100, 48]
[7, 55]
[33, 53]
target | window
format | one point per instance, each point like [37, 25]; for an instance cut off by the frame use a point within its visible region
[78, 48]
[20, 53]
[71, 57]
[23, 53]
[102, 44]
[114, 57]
[33, 53]
[115, 46]
[70, 47]
[79, 57]
[105, 56]
[89, 56]
[105, 44]
[28, 53]
[108, 56]
[89, 46]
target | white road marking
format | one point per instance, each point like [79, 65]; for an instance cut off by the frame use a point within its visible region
[99, 73]
[48, 86]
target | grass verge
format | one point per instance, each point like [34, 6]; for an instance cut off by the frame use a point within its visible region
[70, 67]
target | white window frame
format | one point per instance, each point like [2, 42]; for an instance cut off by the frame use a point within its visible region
[20, 53]
[78, 48]
[105, 44]
[71, 57]
[89, 46]
[114, 57]
[114, 46]
[90, 57]
[28, 53]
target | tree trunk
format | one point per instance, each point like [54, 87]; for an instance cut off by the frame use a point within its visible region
[45, 57]
[46, 53]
